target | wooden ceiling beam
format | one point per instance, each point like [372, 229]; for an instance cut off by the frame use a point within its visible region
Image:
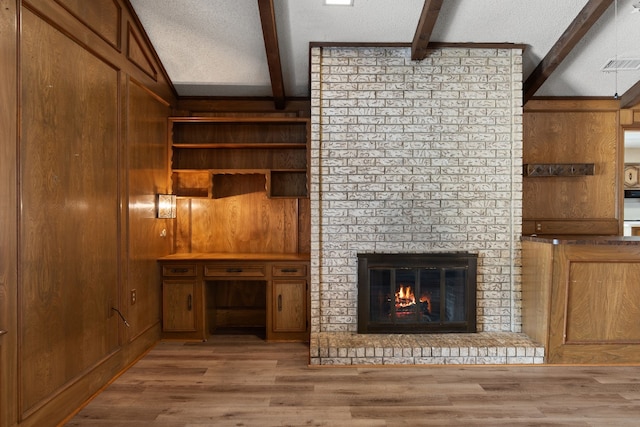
[588, 16]
[428, 18]
[272, 49]
[631, 97]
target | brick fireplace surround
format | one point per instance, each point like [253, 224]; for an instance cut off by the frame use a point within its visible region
[416, 157]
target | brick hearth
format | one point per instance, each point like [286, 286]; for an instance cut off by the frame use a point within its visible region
[485, 348]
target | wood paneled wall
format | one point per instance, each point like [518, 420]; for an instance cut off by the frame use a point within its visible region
[8, 213]
[69, 208]
[147, 237]
[248, 223]
[573, 131]
[89, 153]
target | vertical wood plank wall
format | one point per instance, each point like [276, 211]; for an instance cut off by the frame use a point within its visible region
[249, 223]
[68, 208]
[90, 157]
[8, 212]
[147, 171]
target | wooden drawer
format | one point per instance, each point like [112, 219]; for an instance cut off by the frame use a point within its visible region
[179, 270]
[235, 270]
[289, 270]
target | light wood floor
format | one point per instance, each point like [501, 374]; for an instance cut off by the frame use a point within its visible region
[243, 381]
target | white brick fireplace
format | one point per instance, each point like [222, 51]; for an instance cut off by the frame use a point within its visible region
[416, 157]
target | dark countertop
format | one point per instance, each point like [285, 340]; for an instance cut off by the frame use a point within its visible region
[584, 240]
[234, 257]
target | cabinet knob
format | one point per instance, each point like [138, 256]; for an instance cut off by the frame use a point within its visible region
[2, 332]
[189, 302]
[280, 302]
[234, 270]
[289, 270]
[179, 270]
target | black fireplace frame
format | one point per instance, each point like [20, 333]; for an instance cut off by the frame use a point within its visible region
[441, 261]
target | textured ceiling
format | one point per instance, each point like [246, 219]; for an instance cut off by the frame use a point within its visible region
[215, 47]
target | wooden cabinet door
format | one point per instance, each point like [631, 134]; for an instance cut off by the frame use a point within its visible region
[289, 305]
[179, 306]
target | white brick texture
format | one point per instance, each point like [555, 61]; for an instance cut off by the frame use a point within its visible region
[415, 157]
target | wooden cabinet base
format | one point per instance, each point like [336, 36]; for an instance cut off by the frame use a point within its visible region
[582, 300]
[203, 293]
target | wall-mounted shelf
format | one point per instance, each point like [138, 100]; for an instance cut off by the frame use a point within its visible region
[236, 183]
[235, 145]
[558, 169]
[287, 183]
[267, 153]
[220, 183]
[191, 183]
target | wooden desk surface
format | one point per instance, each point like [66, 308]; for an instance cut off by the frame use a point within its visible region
[234, 257]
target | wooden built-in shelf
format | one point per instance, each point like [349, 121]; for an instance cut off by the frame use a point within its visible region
[223, 156]
[287, 183]
[229, 130]
[238, 145]
[234, 184]
[239, 119]
[191, 183]
[219, 183]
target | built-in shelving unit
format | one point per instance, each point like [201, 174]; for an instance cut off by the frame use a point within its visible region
[221, 156]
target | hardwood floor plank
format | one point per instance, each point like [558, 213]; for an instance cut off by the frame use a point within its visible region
[245, 381]
[435, 414]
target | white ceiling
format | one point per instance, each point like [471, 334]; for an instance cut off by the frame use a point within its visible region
[216, 48]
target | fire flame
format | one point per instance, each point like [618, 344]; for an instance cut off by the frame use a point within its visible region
[406, 298]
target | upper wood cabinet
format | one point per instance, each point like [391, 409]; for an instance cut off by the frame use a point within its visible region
[572, 182]
[217, 157]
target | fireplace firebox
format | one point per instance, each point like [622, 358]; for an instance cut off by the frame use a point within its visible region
[417, 293]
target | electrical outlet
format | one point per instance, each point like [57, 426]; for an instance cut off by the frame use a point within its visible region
[134, 296]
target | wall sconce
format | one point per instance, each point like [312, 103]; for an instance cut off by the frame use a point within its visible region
[166, 205]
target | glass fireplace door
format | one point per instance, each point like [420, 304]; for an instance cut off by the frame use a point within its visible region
[410, 299]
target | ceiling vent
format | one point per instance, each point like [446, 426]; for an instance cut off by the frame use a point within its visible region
[629, 64]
